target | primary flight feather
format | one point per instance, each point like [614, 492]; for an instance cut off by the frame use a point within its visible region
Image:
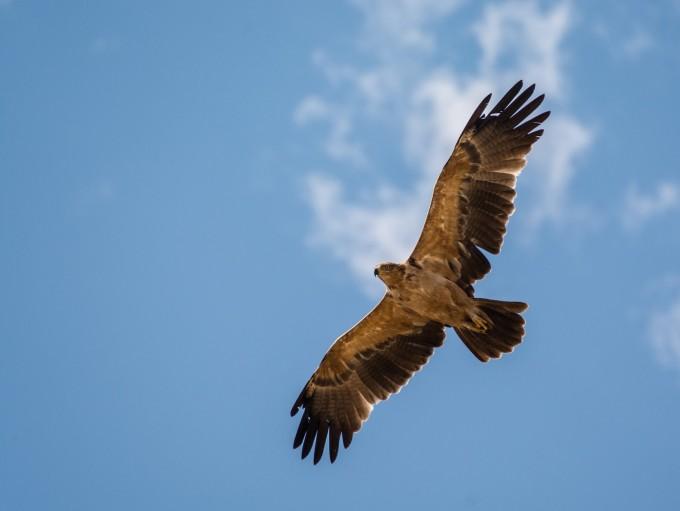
[433, 289]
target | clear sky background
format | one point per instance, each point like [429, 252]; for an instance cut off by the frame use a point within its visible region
[192, 199]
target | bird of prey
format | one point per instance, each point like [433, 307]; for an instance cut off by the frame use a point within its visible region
[433, 289]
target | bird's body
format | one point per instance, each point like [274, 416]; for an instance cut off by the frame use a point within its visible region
[471, 203]
[430, 295]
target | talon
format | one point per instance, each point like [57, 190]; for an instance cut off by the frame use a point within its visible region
[480, 323]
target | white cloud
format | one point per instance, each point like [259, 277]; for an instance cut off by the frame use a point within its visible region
[640, 207]
[640, 42]
[429, 106]
[365, 233]
[101, 45]
[372, 86]
[553, 165]
[518, 36]
[664, 334]
[96, 193]
[338, 144]
[440, 105]
[312, 108]
[396, 25]
[629, 44]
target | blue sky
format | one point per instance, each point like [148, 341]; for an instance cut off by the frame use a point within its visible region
[193, 197]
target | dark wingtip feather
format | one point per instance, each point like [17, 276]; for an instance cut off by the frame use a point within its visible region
[530, 90]
[517, 87]
[540, 117]
[346, 438]
[302, 428]
[334, 443]
[527, 110]
[505, 100]
[320, 441]
[533, 123]
[477, 113]
[298, 402]
[309, 439]
[517, 103]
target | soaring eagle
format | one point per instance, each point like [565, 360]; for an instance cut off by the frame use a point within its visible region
[471, 203]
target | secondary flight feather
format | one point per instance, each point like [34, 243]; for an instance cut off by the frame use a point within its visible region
[471, 203]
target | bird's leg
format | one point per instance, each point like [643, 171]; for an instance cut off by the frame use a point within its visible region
[477, 320]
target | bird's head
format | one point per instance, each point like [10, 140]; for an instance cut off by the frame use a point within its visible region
[390, 273]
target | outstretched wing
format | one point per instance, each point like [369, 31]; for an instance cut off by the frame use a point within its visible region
[373, 360]
[474, 195]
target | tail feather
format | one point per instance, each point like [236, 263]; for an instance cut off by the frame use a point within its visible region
[504, 333]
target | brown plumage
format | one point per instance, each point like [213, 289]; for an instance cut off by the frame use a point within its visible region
[472, 201]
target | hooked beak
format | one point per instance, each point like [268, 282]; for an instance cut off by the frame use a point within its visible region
[375, 272]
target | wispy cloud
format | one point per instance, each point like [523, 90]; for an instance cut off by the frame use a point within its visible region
[392, 26]
[364, 233]
[427, 105]
[638, 43]
[101, 45]
[338, 144]
[640, 207]
[94, 194]
[519, 36]
[663, 319]
[629, 44]
[664, 334]
[565, 140]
